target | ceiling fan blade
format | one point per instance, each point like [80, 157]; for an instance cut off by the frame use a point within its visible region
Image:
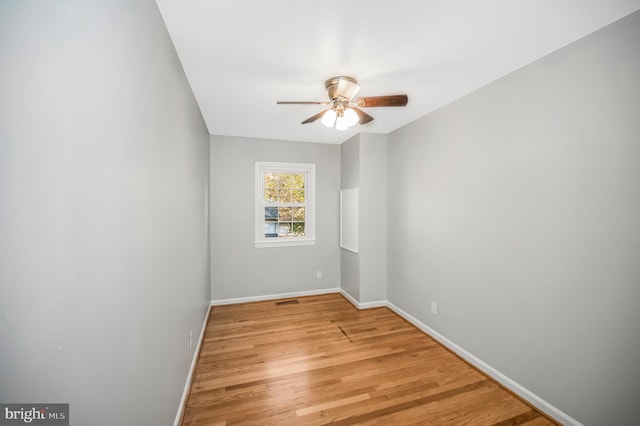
[301, 103]
[382, 101]
[314, 117]
[364, 117]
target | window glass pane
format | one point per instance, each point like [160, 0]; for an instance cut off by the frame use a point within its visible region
[285, 214]
[284, 229]
[270, 213]
[291, 181]
[270, 229]
[297, 196]
[271, 180]
[298, 229]
[271, 195]
[285, 196]
[298, 214]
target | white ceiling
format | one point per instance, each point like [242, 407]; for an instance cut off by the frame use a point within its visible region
[241, 56]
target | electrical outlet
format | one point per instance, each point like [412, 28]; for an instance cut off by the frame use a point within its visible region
[434, 308]
[191, 340]
[319, 274]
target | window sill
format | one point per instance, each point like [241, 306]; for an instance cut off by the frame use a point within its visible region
[284, 243]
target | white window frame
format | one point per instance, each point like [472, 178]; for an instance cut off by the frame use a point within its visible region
[309, 170]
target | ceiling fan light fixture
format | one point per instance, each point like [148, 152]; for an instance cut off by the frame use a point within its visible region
[351, 117]
[341, 123]
[329, 118]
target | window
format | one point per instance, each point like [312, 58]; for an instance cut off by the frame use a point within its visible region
[284, 204]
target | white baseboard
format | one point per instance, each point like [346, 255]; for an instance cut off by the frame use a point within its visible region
[194, 361]
[496, 375]
[362, 305]
[236, 300]
[350, 298]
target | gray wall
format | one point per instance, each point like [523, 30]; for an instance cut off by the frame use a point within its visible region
[363, 164]
[516, 210]
[373, 217]
[350, 178]
[238, 268]
[103, 211]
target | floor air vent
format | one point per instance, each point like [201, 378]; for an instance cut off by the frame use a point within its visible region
[287, 302]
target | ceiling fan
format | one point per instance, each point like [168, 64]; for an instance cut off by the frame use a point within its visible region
[345, 108]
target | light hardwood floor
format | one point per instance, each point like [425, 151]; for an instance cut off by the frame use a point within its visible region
[317, 360]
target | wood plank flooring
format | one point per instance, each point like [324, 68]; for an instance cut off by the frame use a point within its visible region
[318, 360]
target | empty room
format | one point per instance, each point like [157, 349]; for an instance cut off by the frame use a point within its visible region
[252, 213]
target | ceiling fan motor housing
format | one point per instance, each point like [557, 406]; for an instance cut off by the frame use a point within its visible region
[342, 87]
